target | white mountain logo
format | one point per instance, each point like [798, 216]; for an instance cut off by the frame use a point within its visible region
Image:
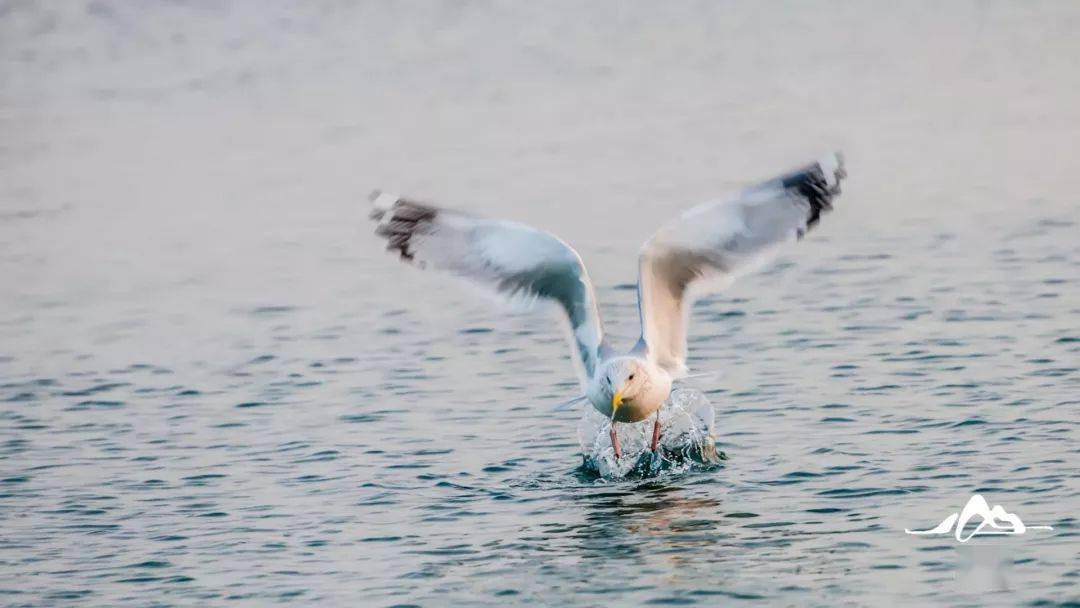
[1000, 522]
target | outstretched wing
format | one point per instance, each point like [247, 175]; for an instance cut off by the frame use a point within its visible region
[721, 241]
[512, 259]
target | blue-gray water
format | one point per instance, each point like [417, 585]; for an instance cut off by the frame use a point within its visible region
[215, 388]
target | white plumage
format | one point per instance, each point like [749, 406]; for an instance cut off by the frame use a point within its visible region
[703, 249]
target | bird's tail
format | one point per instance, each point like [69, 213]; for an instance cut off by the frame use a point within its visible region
[570, 404]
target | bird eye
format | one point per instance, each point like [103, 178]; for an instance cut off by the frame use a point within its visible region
[630, 377]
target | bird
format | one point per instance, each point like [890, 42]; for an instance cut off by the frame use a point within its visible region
[702, 250]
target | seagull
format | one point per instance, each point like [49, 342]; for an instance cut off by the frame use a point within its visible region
[702, 250]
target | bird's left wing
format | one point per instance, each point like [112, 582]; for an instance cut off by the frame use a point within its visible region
[721, 241]
[511, 259]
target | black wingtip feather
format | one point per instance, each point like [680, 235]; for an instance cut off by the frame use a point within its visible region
[812, 184]
[406, 219]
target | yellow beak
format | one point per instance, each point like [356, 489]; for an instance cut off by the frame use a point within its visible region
[616, 401]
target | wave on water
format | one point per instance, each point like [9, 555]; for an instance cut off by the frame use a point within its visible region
[687, 440]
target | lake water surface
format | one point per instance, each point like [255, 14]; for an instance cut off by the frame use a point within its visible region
[216, 389]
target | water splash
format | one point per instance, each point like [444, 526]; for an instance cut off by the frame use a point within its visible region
[687, 439]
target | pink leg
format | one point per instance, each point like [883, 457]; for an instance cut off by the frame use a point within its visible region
[615, 442]
[656, 432]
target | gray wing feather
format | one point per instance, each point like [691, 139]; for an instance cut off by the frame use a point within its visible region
[513, 260]
[709, 246]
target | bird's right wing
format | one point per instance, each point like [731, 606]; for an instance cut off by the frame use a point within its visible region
[510, 259]
[721, 241]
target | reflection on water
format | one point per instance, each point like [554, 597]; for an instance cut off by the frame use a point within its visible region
[214, 387]
[656, 513]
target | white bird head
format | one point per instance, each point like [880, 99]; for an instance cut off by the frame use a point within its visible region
[623, 379]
